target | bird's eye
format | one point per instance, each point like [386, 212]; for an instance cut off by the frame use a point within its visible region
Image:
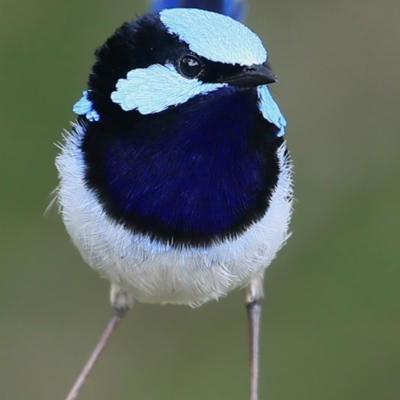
[190, 66]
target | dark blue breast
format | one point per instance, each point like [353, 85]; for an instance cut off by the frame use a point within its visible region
[189, 175]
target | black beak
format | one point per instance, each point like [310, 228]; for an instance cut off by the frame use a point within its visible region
[254, 75]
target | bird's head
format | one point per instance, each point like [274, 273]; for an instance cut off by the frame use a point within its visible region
[163, 60]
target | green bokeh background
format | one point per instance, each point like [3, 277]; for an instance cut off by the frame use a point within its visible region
[331, 323]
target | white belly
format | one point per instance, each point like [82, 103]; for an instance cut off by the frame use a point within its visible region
[159, 273]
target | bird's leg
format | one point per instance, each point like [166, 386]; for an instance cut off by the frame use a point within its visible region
[254, 297]
[122, 302]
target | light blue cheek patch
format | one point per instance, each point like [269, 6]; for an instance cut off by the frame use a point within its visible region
[85, 107]
[154, 89]
[270, 110]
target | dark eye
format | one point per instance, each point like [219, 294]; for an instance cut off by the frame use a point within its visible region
[190, 66]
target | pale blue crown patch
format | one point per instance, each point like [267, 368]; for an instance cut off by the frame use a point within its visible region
[270, 109]
[154, 89]
[85, 107]
[233, 8]
[215, 36]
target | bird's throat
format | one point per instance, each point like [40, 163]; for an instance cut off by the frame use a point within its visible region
[193, 174]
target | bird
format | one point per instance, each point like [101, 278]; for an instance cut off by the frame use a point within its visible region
[175, 181]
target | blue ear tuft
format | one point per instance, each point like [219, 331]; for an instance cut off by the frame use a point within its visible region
[85, 107]
[233, 8]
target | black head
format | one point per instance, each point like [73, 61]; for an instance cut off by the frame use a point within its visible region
[147, 42]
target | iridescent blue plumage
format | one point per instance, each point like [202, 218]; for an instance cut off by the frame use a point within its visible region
[189, 178]
[232, 8]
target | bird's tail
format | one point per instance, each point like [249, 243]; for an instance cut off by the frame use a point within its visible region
[233, 8]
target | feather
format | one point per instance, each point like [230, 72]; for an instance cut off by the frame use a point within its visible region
[233, 8]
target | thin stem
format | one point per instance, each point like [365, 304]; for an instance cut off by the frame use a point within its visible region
[254, 314]
[112, 324]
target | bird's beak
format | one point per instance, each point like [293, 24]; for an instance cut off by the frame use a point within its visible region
[253, 75]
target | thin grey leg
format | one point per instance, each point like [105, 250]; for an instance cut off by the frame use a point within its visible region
[122, 302]
[254, 297]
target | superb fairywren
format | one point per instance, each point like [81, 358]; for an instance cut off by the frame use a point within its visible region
[175, 182]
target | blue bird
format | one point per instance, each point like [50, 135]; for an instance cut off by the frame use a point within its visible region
[175, 181]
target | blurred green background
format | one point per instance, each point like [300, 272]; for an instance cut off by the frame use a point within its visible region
[331, 321]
